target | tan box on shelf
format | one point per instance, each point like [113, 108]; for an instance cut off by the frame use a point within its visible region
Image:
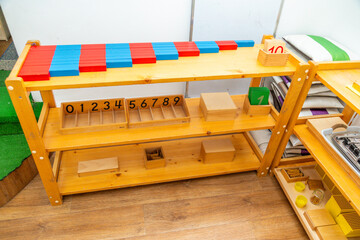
[98, 166]
[332, 232]
[255, 109]
[319, 218]
[154, 158]
[272, 59]
[217, 106]
[217, 150]
[279, 45]
[157, 111]
[289, 179]
[94, 115]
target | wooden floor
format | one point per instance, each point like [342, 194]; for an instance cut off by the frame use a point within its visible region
[230, 207]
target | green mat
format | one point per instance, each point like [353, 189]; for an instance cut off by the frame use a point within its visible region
[14, 149]
[3, 75]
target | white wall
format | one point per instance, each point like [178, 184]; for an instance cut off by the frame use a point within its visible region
[100, 21]
[104, 21]
[231, 20]
[335, 19]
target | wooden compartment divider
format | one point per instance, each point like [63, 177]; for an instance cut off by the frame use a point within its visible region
[94, 115]
[157, 111]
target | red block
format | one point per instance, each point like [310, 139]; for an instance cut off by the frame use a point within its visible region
[142, 53]
[140, 45]
[37, 63]
[92, 58]
[187, 49]
[92, 46]
[227, 45]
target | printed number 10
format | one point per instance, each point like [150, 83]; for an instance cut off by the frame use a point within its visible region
[271, 50]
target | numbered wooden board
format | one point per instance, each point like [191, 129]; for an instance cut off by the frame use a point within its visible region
[94, 115]
[157, 111]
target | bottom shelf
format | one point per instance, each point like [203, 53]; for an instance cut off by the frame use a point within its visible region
[291, 194]
[183, 162]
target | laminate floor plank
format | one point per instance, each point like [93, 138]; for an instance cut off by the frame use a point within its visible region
[229, 207]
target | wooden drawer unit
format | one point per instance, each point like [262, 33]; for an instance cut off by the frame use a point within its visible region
[94, 115]
[157, 111]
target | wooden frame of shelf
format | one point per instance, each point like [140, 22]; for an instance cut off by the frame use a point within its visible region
[43, 137]
[336, 76]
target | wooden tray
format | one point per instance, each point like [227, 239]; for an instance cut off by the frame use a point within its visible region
[157, 111]
[94, 115]
[316, 126]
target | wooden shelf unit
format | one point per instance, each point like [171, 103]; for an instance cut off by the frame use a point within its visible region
[44, 136]
[336, 76]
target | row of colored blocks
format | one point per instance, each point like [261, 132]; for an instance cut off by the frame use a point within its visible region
[44, 62]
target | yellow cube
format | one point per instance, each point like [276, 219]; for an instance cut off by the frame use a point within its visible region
[349, 224]
[338, 204]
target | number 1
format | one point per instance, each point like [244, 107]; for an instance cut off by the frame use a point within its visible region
[261, 98]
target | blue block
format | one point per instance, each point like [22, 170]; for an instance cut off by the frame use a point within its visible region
[118, 55]
[65, 61]
[67, 47]
[119, 63]
[165, 51]
[64, 70]
[163, 45]
[245, 43]
[167, 55]
[207, 46]
[117, 46]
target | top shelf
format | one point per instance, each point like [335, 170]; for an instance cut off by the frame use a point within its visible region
[240, 63]
[337, 80]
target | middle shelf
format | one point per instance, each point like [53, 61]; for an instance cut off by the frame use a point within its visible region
[198, 127]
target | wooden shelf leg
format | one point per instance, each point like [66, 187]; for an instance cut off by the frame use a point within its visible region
[48, 97]
[290, 102]
[28, 123]
[292, 121]
[255, 82]
[348, 113]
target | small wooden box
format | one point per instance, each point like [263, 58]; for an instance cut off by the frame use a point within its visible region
[157, 111]
[332, 232]
[289, 179]
[217, 106]
[319, 218]
[97, 166]
[272, 59]
[154, 158]
[94, 115]
[255, 109]
[217, 150]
